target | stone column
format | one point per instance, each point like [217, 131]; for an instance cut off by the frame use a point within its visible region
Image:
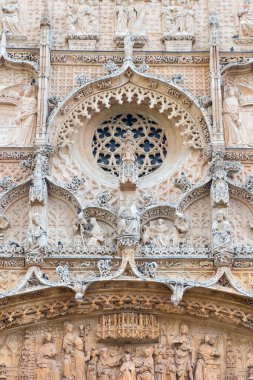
[44, 76]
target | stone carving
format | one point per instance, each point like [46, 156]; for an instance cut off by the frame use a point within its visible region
[134, 326]
[128, 45]
[38, 189]
[127, 369]
[11, 18]
[157, 234]
[205, 360]
[104, 267]
[6, 183]
[219, 189]
[107, 365]
[47, 367]
[178, 23]
[81, 19]
[91, 233]
[183, 354]
[149, 269]
[222, 233]
[145, 367]
[4, 222]
[36, 237]
[128, 221]
[128, 175]
[245, 20]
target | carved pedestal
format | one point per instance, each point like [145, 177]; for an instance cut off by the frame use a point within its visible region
[223, 259]
[82, 42]
[178, 42]
[139, 40]
[34, 258]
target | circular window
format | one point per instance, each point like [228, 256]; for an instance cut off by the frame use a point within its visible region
[151, 142]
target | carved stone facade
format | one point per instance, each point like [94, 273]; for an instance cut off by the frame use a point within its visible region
[126, 190]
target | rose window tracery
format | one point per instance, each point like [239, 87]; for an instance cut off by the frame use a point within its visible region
[151, 142]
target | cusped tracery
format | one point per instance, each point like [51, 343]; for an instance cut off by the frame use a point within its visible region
[150, 137]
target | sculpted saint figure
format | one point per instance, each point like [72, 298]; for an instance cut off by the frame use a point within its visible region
[246, 19]
[183, 354]
[26, 120]
[171, 367]
[222, 233]
[206, 355]
[181, 228]
[127, 369]
[92, 365]
[37, 237]
[47, 368]
[128, 149]
[11, 22]
[69, 353]
[80, 359]
[107, 365]
[121, 17]
[145, 368]
[129, 220]
[160, 363]
[232, 123]
[96, 232]
[157, 234]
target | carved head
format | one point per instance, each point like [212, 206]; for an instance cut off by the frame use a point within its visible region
[68, 327]
[220, 216]
[184, 330]
[104, 352]
[148, 352]
[48, 337]
[36, 219]
[171, 353]
[127, 357]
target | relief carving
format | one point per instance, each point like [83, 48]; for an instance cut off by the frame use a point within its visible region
[222, 233]
[11, 18]
[36, 237]
[47, 367]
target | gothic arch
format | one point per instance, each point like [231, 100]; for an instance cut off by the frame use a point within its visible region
[128, 85]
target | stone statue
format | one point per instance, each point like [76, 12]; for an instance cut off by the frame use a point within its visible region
[157, 234]
[222, 233]
[232, 123]
[206, 355]
[81, 19]
[132, 14]
[107, 365]
[37, 237]
[69, 340]
[26, 120]
[11, 20]
[171, 367]
[92, 365]
[128, 149]
[129, 220]
[219, 188]
[179, 20]
[47, 367]
[246, 19]
[38, 187]
[80, 359]
[80, 225]
[129, 166]
[181, 228]
[127, 369]
[121, 17]
[145, 367]
[97, 235]
[160, 363]
[183, 354]
[129, 143]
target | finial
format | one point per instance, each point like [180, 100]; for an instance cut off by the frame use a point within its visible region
[3, 51]
[129, 46]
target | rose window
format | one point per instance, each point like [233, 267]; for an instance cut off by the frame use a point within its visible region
[151, 143]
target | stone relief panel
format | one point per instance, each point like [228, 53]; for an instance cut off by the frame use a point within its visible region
[18, 216]
[196, 78]
[16, 171]
[200, 222]
[172, 347]
[12, 18]
[60, 218]
[238, 110]
[240, 216]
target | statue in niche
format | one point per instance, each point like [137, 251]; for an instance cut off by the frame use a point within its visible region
[91, 232]
[37, 237]
[80, 225]
[129, 220]
[107, 365]
[69, 352]
[222, 233]
[246, 19]
[232, 122]
[205, 358]
[129, 166]
[145, 367]
[10, 20]
[26, 120]
[183, 354]
[127, 369]
[38, 188]
[80, 359]
[158, 234]
[92, 365]
[47, 367]
[81, 19]
[97, 235]
[121, 17]
[179, 19]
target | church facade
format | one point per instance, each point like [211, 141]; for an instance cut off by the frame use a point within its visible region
[126, 190]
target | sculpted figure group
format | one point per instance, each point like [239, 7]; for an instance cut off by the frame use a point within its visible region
[130, 17]
[156, 363]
